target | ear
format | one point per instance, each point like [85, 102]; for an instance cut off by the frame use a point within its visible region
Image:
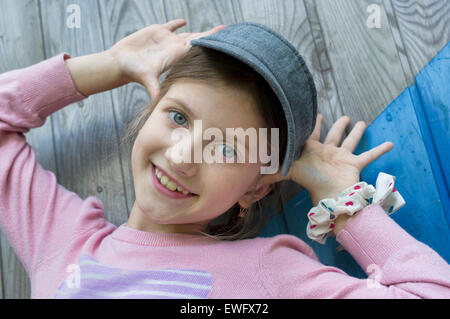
[260, 189]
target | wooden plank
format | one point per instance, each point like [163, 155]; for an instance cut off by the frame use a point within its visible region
[86, 141]
[329, 103]
[390, 13]
[424, 29]
[20, 47]
[366, 66]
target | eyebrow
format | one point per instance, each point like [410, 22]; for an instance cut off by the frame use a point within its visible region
[192, 114]
[184, 106]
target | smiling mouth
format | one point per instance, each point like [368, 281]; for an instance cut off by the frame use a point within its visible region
[175, 192]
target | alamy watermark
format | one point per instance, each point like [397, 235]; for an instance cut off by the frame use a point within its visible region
[74, 18]
[74, 279]
[375, 276]
[374, 19]
[258, 145]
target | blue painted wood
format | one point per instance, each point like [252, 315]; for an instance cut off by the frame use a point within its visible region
[417, 123]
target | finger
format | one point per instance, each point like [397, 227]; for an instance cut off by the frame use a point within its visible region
[218, 28]
[368, 157]
[152, 86]
[352, 140]
[315, 135]
[213, 30]
[334, 136]
[192, 36]
[206, 33]
[174, 24]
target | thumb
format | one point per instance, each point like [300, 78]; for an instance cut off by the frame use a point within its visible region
[152, 85]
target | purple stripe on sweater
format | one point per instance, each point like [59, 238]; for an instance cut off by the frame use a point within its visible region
[157, 274]
[101, 281]
[89, 265]
[85, 294]
[118, 285]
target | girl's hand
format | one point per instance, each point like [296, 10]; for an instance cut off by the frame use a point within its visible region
[326, 169]
[144, 55]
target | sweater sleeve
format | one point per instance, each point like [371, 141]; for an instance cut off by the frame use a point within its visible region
[38, 216]
[397, 265]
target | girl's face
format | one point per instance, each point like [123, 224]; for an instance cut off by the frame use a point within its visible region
[217, 186]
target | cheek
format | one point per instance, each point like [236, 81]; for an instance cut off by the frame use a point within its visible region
[152, 135]
[230, 188]
[147, 142]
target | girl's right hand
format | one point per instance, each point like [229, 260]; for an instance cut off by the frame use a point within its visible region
[145, 54]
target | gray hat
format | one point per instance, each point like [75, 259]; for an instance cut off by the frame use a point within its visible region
[282, 66]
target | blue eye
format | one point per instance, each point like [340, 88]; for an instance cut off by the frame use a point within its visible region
[177, 116]
[229, 151]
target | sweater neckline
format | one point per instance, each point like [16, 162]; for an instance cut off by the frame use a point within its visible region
[140, 237]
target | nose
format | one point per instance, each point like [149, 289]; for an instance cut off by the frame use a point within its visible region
[181, 154]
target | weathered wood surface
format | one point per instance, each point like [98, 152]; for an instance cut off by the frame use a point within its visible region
[358, 71]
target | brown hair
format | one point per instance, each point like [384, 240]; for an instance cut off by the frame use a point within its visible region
[214, 67]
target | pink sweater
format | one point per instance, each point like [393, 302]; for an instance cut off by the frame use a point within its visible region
[69, 250]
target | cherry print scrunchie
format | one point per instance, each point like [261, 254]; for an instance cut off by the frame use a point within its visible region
[351, 200]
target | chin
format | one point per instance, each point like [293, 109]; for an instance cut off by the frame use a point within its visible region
[163, 219]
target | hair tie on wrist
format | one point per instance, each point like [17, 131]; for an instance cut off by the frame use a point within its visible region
[350, 201]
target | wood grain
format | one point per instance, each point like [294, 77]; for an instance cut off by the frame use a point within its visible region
[424, 28]
[365, 63]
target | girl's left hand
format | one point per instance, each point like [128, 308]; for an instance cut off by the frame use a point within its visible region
[144, 55]
[326, 169]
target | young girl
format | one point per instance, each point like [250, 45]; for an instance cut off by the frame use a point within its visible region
[173, 245]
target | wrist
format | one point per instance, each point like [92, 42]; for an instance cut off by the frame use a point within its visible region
[94, 73]
[333, 193]
[340, 223]
[316, 197]
[115, 65]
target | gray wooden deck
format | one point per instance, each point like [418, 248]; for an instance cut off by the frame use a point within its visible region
[358, 71]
